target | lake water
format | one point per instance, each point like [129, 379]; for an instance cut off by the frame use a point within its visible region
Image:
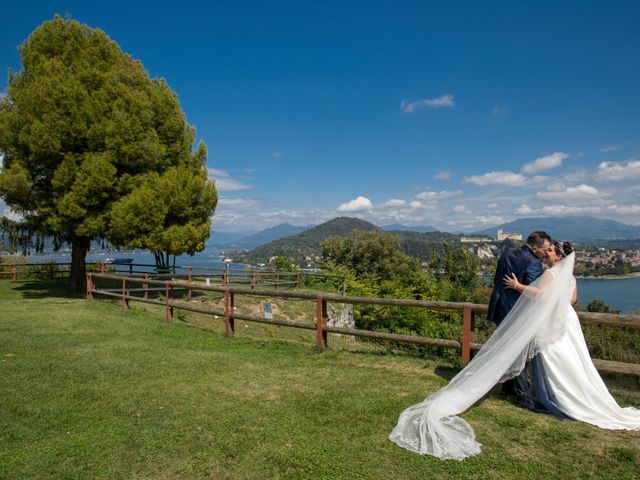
[621, 293]
[207, 258]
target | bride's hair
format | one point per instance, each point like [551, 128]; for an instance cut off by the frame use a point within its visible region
[563, 248]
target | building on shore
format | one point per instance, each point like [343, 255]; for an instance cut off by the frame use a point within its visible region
[465, 239]
[508, 236]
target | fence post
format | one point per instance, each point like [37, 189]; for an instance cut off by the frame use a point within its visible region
[125, 302]
[232, 309]
[51, 271]
[224, 278]
[89, 286]
[277, 279]
[145, 287]
[321, 311]
[298, 280]
[169, 309]
[14, 272]
[102, 267]
[253, 280]
[190, 280]
[227, 313]
[468, 317]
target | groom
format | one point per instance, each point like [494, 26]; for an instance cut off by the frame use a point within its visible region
[526, 263]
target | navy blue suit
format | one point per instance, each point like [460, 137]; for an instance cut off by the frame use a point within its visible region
[527, 268]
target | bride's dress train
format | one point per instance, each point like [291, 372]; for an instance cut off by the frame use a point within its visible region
[542, 323]
[574, 385]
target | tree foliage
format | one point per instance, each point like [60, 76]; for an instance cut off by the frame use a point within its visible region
[371, 253]
[168, 213]
[82, 128]
[374, 265]
[282, 264]
[600, 306]
[458, 268]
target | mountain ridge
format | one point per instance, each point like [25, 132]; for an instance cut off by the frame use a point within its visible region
[397, 227]
[308, 243]
[270, 234]
[573, 228]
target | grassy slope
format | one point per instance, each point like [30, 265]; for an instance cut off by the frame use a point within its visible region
[90, 391]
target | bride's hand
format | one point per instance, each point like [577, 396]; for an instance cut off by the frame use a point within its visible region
[510, 281]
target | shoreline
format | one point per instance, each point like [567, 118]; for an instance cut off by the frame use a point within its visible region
[610, 277]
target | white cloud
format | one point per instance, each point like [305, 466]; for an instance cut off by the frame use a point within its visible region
[224, 181]
[239, 202]
[459, 209]
[545, 163]
[491, 220]
[615, 171]
[558, 210]
[538, 179]
[430, 195]
[509, 179]
[624, 209]
[296, 217]
[524, 210]
[250, 218]
[443, 175]
[441, 101]
[570, 193]
[394, 202]
[415, 204]
[614, 147]
[357, 205]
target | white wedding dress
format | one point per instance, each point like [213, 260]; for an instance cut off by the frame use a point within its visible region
[576, 388]
[541, 322]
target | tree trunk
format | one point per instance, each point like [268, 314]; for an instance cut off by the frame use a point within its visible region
[78, 279]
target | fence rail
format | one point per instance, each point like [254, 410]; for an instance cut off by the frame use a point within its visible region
[216, 275]
[469, 310]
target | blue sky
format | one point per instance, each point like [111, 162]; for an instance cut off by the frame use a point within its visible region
[459, 115]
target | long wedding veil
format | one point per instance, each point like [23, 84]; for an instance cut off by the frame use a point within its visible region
[432, 427]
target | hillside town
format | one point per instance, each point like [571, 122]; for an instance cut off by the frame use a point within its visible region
[591, 259]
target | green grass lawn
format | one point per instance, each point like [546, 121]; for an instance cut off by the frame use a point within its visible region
[88, 390]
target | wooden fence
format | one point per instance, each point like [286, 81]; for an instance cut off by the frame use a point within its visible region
[466, 345]
[216, 275]
[45, 270]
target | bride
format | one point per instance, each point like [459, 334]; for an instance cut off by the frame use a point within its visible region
[541, 322]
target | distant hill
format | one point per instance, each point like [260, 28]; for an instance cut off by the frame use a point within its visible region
[422, 245]
[577, 229]
[270, 234]
[396, 227]
[307, 243]
[218, 239]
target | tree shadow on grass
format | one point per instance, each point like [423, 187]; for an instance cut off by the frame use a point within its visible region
[446, 372]
[45, 289]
